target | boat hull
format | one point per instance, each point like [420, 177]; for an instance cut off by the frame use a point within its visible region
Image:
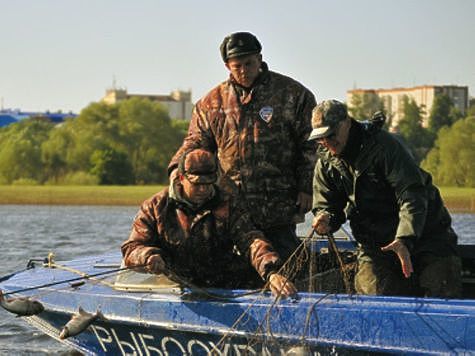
[183, 322]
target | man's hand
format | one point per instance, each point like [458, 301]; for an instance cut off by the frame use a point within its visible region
[156, 264]
[404, 256]
[321, 223]
[304, 202]
[280, 286]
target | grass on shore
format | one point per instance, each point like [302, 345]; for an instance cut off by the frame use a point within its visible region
[456, 199]
[459, 199]
[76, 195]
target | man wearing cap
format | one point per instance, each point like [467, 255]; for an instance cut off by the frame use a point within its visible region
[365, 174]
[192, 229]
[258, 123]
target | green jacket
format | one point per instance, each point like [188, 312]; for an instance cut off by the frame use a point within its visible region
[383, 193]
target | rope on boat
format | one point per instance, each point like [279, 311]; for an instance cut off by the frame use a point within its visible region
[49, 262]
[311, 310]
[343, 269]
[52, 264]
[289, 269]
[84, 277]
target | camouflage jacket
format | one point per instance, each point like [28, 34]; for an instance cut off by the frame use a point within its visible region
[198, 245]
[261, 142]
[383, 193]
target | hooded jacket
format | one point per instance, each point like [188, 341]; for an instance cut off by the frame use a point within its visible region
[197, 242]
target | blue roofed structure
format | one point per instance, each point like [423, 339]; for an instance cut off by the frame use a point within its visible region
[9, 116]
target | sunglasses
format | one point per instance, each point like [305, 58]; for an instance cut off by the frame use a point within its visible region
[196, 183]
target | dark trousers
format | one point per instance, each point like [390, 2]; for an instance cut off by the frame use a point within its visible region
[380, 273]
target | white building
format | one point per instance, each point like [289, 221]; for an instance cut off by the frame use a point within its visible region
[178, 102]
[423, 96]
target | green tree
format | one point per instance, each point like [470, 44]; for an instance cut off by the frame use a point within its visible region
[452, 160]
[54, 153]
[96, 128]
[20, 149]
[443, 113]
[363, 106]
[148, 137]
[111, 167]
[181, 127]
[418, 139]
[129, 142]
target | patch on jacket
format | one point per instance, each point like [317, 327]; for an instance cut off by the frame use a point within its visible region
[266, 113]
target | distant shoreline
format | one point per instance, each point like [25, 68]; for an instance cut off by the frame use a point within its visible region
[77, 195]
[459, 200]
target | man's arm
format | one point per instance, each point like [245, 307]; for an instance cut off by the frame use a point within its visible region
[267, 263]
[329, 199]
[141, 248]
[403, 174]
[259, 252]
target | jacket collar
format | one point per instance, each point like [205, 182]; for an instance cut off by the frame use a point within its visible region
[245, 95]
[358, 153]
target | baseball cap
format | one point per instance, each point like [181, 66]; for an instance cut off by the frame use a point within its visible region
[198, 166]
[325, 118]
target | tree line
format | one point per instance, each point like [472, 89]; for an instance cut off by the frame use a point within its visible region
[445, 148]
[131, 142]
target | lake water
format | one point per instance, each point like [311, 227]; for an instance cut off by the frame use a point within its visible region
[28, 231]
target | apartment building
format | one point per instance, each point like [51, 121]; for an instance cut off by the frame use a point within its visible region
[178, 102]
[423, 95]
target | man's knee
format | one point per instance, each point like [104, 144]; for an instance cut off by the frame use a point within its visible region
[440, 276]
[381, 278]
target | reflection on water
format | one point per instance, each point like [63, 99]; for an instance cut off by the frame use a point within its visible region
[28, 231]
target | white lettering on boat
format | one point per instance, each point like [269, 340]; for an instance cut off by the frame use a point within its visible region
[147, 345]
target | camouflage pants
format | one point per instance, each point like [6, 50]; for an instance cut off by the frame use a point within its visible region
[434, 276]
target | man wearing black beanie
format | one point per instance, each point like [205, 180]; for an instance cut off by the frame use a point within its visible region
[258, 122]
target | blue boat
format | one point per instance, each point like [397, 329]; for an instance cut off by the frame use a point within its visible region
[151, 315]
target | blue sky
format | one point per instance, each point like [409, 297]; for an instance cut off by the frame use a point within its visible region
[62, 55]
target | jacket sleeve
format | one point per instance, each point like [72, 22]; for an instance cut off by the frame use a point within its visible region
[199, 136]
[403, 174]
[305, 158]
[252, 243]
[143, 240]
[328, 194]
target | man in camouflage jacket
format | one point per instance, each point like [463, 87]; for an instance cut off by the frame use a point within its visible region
[258, 122]
[192, 229]
[366, 175]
